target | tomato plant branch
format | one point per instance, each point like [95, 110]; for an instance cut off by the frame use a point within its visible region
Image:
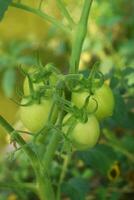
[79, 36]
[44, 182]
[41, 14]
[53, 144]
[40, 4]
[44, 187]
[13, 133]
[20, 186]
[65, 12]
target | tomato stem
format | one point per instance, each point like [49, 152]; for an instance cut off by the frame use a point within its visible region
[53, 144]
[65, 12]
[19, 186]
[44, 187]
[79, 36]
[15, 135]
[43, 179]
[41, 14]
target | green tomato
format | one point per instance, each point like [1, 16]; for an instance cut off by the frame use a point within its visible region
[103, 98]
[35, 116]
[83, 135]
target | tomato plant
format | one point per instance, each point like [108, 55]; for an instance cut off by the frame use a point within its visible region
[102, 101]
[83, 135]
[78, 106]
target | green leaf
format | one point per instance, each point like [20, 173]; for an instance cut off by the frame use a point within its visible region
[3, 196]
[128, 143]
[101, 193]
[122, 117]
[114, 82]
[3, 7]
[8, 81]
[115, 196]
[76, 188]
[120, 109]
[100, 158]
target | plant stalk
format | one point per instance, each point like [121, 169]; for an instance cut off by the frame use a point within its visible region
[41, 14]
[53, 144]
[65, 12]
[13, 133]
[79, 36]
[45, 189]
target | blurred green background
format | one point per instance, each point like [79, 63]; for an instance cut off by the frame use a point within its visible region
[109, 41]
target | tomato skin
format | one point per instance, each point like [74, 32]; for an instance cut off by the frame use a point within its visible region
[35, 116]
[84, 135]
[105, 100]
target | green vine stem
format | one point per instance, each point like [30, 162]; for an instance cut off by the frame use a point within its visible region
[79, 36]
[44, 187]
[44, 182]
[65, 12]
[16, 137]
[40, 4]
[41, 14]
[53, 144]
[19, 186]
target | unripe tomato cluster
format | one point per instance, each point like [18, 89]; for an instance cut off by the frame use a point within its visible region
[84, 134]
[102, 98]
[100, 106]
